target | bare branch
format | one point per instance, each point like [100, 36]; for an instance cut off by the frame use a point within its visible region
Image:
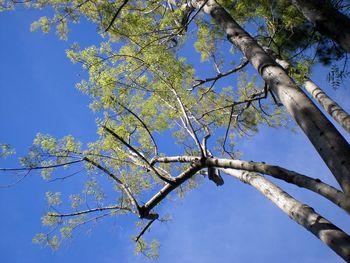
[183, 177]
[314, 185]
[17, 181]
[221, 75]
[116, 15]
[301, 213]
[145, 229]
[98, 209]
[39, 167]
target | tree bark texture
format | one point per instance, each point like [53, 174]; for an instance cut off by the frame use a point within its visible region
[315, 185]
[327, 20]
[330, 106]
[331, 235]
[329, 143]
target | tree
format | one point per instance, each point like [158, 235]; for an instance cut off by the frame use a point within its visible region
[145, 88]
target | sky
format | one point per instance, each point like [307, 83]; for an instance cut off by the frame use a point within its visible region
[232, 223]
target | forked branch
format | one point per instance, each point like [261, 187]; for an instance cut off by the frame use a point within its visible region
[328, 233]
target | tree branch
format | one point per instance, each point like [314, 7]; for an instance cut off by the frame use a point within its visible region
[123, 187]
[143, 125]
[115, 207]
[145, 229]
[183, 177]
[39, 167]
[315, 185]
[221, 75]
[168, 180]
[328, 233]
[116, 15]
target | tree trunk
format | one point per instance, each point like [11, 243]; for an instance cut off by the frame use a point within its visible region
[327, 20]
[330, 106]
[332, 147]
[303, 214]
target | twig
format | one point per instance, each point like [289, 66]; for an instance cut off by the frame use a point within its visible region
[90, 211]
[220, 75]
[124, 187]
[39, 167]
[143, 125]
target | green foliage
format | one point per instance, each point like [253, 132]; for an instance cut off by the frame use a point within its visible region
[337, 76]
[44, 240]
[6, 150]
[53, 198]
[150, 250]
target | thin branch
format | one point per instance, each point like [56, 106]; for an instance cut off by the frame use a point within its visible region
[188, 124]
[221, 75]
[144, 229]
[168, 180]
[39, 167]
[65, 177]
[143, 125]
[123, 187]
[191, 19]
[116, 14]
[98, 209]
[253, 97]
[16, 182]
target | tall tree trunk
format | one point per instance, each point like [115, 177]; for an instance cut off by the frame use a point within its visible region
[331, 235]
[329, 105]
[333, 109]
[332, 147]
[326, 19]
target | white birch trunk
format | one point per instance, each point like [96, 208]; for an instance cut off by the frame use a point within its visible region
[332, 147]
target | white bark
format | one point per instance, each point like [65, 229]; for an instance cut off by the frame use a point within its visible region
[330, 106]
[314, 185]
[332, 147]
[329, 234]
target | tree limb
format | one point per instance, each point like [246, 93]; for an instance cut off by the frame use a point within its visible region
[314, 185]
[328, 233]
[116, 14]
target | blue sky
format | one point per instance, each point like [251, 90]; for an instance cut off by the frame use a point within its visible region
[233, 223]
